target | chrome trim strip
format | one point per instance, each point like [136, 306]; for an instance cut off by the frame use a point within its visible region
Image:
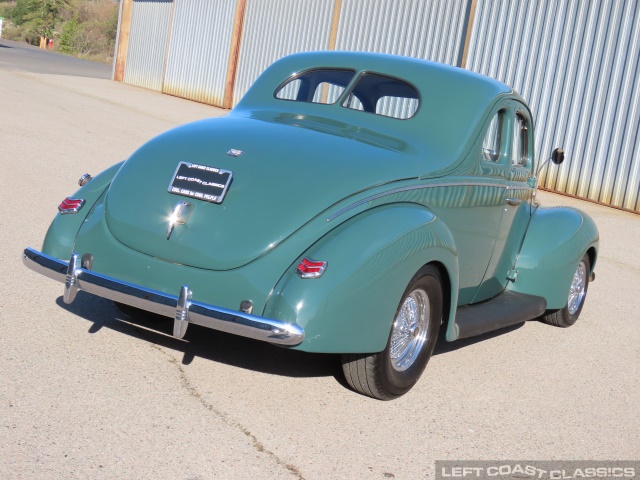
[419, 187]
[181, 308]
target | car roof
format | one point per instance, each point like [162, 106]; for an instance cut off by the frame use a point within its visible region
[452, 106]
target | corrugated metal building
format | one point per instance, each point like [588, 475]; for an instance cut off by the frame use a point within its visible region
[576, 62]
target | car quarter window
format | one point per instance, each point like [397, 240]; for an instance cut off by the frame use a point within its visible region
[382, 95]
[316, 86]
[520, 144]
[492, 143]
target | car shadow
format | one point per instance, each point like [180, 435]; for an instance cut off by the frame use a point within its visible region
[202, 342]
[442, 346]
[226, 348]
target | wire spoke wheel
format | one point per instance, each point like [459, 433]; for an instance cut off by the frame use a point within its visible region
[388, 374]
[567, 316]
[410, 330]
[578, 288]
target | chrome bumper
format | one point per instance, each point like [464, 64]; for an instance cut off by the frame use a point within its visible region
[181, 307]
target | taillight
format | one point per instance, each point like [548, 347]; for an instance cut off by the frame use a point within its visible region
[308, 268]
[70, 205]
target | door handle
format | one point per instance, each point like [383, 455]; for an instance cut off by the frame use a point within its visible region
[514, 201]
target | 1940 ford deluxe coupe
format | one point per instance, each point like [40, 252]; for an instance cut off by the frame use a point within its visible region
[352, 203]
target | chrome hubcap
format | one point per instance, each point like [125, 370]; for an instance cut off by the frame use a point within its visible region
[578, 288]
[410, 329]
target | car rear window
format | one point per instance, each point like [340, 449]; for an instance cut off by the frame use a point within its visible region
[383, 95]
[316, 86]
[372, 92]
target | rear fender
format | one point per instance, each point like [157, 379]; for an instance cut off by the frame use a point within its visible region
[371, 259]
[556, 240]
[62, 232]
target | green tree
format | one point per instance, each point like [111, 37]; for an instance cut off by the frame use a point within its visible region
[85, 28]
[68, 36]
[17, 13]
[42, 15]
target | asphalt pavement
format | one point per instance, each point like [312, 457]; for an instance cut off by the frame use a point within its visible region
[86, 392]
[24, 57]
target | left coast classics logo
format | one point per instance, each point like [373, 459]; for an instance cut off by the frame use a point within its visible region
[201, 182]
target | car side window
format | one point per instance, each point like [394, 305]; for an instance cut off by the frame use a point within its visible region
[492, 143]
[316, 86]
[520, 144]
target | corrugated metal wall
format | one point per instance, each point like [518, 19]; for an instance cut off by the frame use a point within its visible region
[274, 29]
[577, 64]
[148, 39]
[199, 49]
[415, 28]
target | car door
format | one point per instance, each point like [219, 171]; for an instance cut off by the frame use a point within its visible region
[517, 171]
[472, 205]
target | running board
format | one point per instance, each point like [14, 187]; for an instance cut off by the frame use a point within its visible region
[503, 310]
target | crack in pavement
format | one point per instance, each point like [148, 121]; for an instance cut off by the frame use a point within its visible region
[257, 444]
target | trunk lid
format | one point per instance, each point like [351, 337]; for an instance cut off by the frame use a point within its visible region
[286, 175]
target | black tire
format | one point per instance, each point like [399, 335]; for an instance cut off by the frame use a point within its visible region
[385, 375]
[567, 316]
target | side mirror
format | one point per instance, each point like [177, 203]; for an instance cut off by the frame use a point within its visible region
[557, 156]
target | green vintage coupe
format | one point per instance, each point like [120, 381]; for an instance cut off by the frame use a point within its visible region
[352, 203]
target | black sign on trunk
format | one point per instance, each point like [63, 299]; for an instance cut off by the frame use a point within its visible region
[201, 182]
